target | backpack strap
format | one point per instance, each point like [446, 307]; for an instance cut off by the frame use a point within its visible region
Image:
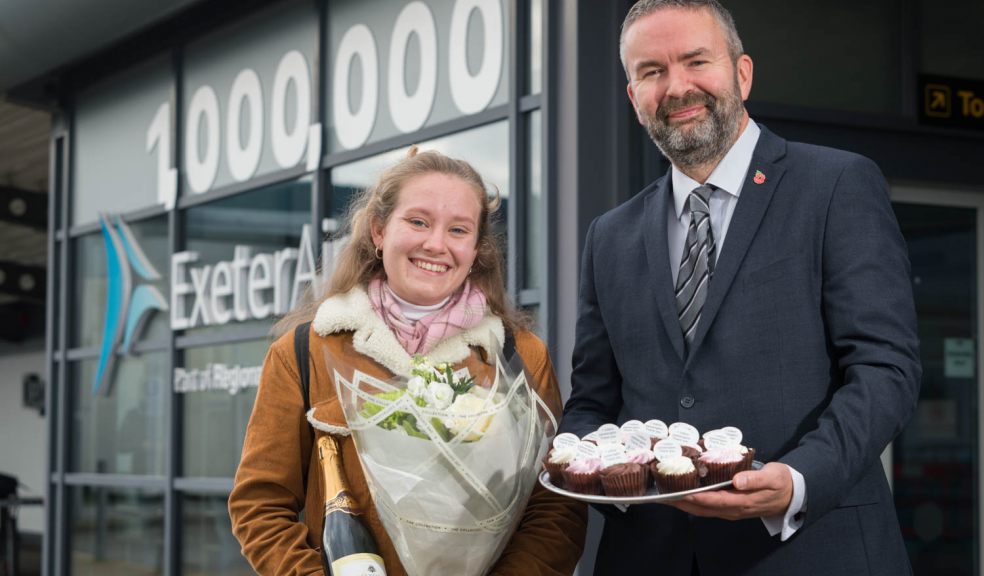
[301, 338]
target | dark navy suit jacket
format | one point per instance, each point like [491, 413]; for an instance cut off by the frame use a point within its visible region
[807, 343]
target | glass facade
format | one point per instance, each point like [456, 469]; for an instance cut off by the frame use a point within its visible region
[174, 274]
[214, 421]
[116, 531]
[838, 55]
[207, 544]
[120, 430]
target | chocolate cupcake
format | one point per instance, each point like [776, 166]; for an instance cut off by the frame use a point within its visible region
[675, 474]
[626, 479]
[583, 476]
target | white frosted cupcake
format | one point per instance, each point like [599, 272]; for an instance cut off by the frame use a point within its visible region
[675, 474]
[556, 461]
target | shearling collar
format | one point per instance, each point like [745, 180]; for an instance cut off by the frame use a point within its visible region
[353, 312]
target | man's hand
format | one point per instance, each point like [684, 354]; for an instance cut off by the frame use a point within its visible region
[755, 494]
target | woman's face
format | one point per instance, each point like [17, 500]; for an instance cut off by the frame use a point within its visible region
[429, 243]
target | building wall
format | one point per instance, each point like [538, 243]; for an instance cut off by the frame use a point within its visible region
[22, 451]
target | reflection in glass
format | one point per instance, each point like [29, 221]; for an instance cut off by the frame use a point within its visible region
[207, 543]
[121, 431]
[214, 421]
[950, 39]
[936, 463]
[533, 263]
[116, 531]
[860, 71]
[265, 220]
[89, 303]
[535, 78]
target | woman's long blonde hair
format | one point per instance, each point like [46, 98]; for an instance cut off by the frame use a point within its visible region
[358, 264]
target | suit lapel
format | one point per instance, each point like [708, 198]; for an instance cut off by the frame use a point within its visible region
[747, 217]
[655, 235]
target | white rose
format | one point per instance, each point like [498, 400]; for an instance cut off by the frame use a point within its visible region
[438, 395]
[460, 416]
[416, 387]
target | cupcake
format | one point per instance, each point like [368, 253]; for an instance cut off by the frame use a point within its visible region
[556, 461]
[625, 479]
[645, 458]
[675, 474]
[583, 476]
[722, 463]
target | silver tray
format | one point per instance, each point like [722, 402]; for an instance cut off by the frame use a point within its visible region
[652, 496]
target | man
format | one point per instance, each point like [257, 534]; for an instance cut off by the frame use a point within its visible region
[762, 284]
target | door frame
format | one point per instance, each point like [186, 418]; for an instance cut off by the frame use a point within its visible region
[914, 194]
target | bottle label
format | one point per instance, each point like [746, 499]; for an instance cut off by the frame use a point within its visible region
[362, 564]
[342, 502]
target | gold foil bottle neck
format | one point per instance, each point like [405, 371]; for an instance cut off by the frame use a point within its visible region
[336, 487]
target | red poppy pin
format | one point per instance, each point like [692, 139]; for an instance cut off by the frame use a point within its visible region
[759, 177]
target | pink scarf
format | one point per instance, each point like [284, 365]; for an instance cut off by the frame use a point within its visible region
[464, 310]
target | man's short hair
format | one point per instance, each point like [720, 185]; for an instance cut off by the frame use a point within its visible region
[720, 13]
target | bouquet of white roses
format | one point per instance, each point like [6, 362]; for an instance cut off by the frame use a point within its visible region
[435, 387]
[450, 457]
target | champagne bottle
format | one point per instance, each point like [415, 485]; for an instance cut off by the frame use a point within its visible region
[348, 549]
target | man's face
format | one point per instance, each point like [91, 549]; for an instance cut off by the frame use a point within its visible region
[686, 90]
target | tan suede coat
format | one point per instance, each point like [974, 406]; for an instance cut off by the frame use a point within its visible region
[279, 475]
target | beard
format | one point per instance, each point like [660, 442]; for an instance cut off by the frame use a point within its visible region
[697, 143]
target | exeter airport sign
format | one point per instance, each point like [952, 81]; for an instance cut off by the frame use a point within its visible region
[245, 287]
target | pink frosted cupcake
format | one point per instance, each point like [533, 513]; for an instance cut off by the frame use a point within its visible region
[583, 476]
[721, 464]
[645, 458]
[675, 474]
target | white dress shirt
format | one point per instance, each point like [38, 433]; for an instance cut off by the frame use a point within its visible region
[728, 177]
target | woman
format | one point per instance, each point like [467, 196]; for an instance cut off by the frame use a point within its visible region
[421, 273]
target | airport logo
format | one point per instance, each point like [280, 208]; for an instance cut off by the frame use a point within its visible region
[128, 307]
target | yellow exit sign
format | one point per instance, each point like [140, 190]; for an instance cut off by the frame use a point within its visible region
[953, 102]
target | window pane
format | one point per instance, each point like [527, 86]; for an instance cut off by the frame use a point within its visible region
[116, 531]
[535, 79]
[112, 170]
[207, 543]
[840, 54]
[215, 419]
[265, 221]
[128, 241]
[475, 47]
[950, 39]
[120, 430]
[533, 263]
[936, 458]
[259, 44]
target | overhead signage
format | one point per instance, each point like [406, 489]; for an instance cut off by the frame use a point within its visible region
[951, 102]
[232, 133]
[247, 286]
[249, 98]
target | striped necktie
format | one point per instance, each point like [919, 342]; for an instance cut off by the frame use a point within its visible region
[697, 264]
